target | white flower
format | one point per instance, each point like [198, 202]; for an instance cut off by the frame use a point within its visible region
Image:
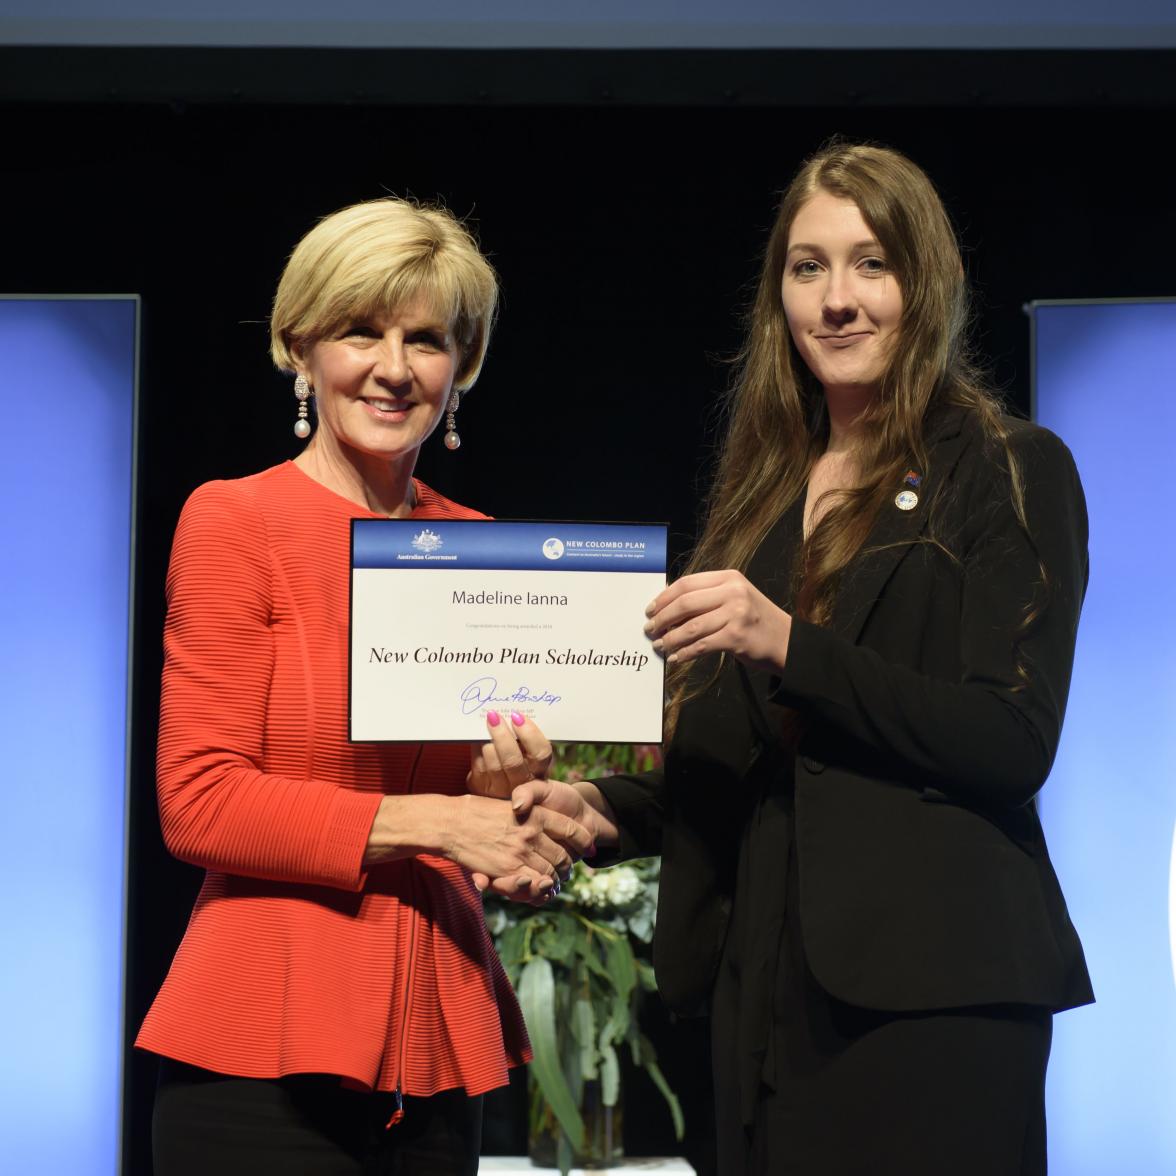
[608, 889]
[624, 884]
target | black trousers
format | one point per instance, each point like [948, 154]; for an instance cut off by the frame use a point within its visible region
[812, 1086]
[208, 1124]
[936, 1094]
[806, 1085]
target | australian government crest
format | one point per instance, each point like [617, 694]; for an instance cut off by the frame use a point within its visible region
[427, 541]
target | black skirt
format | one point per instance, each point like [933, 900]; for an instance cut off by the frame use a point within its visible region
[806, 1085]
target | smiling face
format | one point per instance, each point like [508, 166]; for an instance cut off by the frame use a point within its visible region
[381, 384]
[841, 299]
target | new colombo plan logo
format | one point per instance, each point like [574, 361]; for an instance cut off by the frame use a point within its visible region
[553, 548]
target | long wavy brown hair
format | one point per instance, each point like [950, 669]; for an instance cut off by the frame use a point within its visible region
[777, 419]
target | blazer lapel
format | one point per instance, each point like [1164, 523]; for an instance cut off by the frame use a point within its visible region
[771, 571]
[890, 539]
[896, 529]
[771, 567]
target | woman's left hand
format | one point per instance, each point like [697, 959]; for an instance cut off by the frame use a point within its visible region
[518, 751]
[719, 612]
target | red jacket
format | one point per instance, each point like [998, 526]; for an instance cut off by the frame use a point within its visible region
[296, 960]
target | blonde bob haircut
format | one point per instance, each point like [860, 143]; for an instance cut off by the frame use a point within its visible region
[374, 257]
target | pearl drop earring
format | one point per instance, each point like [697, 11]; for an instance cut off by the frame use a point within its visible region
[302, 392]
[452, 440]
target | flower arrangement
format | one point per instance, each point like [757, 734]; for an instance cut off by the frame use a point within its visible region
[581, 965]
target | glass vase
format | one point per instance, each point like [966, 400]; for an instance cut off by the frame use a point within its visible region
[603, 1147]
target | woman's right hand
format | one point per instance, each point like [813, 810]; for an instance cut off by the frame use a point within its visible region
[515, 852]
[582, 802]
[523, 853]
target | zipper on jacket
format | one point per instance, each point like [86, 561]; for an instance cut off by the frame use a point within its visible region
[406, 1007]
[397, 1108]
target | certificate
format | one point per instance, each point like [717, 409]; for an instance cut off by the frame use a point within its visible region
[452, 618]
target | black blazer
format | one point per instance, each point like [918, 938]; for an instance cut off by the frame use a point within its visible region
[924, 880]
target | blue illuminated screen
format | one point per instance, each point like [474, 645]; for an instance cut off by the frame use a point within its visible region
[67, 368]
[1105, 381]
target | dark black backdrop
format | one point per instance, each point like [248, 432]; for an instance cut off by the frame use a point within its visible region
[627, 234]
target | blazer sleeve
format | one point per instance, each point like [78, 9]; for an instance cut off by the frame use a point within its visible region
[638, 803]
[218, 808]
[988, 738]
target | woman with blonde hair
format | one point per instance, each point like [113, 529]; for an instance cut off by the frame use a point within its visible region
[865, 701]
[336, 1005]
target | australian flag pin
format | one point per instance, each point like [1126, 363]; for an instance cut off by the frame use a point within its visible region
[908, 499]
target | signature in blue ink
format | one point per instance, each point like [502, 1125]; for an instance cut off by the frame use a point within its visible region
[482, 692]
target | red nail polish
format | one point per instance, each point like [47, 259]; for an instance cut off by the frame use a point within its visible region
[517, 719]
[492, 717]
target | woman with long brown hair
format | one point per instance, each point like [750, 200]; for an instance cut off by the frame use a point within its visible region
[865, 701]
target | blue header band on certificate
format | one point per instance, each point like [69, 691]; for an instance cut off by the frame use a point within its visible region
[508, 546]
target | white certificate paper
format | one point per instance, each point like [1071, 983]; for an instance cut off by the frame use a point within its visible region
[453, 618]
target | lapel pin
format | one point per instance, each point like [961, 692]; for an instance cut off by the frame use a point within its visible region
[906, 500]
[911, 478]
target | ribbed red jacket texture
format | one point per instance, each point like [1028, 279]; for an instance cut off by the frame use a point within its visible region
[295, 959]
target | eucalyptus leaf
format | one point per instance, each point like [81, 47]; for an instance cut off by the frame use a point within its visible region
[641, 924]
[571, 1062]
[510, 944]
[584, 1031]
[587, 947]
[564, 1154]
[635, 1040]
[659, 1080]
[610, 1076]
[616, 1024]
[647, 976]
[537, 999]
[557, 939]
[621, 968]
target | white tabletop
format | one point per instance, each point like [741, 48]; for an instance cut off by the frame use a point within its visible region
[521, 1166]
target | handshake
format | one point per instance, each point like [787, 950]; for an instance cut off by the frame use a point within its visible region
[531, 828]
